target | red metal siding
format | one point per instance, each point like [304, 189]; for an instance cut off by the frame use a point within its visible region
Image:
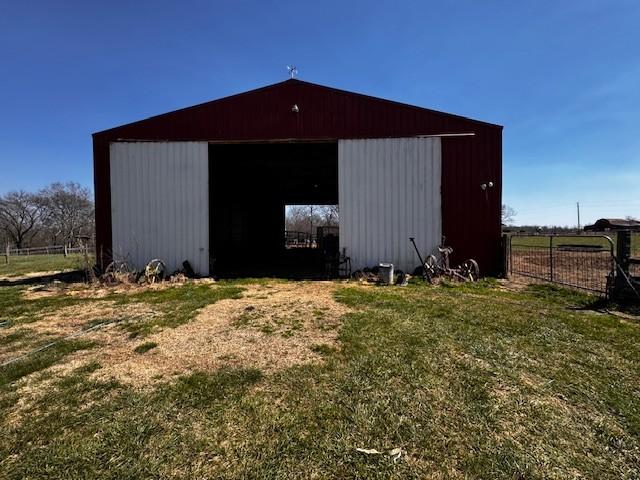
[471, 222]
[471, 215]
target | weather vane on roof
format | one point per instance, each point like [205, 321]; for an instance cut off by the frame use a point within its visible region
[293, 71]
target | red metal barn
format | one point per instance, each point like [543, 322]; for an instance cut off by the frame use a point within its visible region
[209, 183]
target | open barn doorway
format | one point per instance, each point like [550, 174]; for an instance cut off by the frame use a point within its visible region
[251, 188]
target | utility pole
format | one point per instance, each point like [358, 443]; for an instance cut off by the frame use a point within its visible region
[578, 206]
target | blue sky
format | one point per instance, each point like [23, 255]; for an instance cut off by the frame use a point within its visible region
[563, 77]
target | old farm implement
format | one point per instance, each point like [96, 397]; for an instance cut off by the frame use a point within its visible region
[433, 267]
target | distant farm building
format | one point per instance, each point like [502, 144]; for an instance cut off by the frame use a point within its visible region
[608, 224]
[209, 183]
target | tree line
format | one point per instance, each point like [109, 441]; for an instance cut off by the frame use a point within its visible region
[305, 218]
[58, 214]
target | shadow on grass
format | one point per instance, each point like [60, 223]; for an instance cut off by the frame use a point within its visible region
[575, 300]
[74, 276]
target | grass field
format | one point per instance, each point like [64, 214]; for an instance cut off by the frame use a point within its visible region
[24, 264]
[474, 381]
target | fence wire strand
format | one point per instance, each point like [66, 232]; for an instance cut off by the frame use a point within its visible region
[582, 262]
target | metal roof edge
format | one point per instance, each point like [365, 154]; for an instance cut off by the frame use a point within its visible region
[301, 82]
[400, 104]
[197, 105]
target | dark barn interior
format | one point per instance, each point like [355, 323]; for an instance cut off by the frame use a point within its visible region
[249, 186]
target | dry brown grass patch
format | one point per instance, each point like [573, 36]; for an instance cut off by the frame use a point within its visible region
[74, 319]
[270, 327]
[71, 319]
[101, 290]
[286, 320]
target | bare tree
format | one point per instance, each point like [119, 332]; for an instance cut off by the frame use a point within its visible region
[303, 218]
[4, 238]
[67, 211]
[508, 214]
[330, 215]
[20, 216]
[300, 218]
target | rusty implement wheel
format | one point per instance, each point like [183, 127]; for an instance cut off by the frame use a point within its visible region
[431, 266]
[116, 271]
[470, 270]
[155, 271]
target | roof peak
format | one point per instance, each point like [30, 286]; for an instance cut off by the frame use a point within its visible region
[306, 84]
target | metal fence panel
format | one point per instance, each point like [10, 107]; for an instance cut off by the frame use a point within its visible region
[585, 262]
[634, 266]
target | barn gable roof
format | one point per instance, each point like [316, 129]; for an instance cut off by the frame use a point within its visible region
[266, 114]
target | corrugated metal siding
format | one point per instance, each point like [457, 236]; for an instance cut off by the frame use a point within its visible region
[471, 223]
[470, 215]
[389, 190]
[160, 203]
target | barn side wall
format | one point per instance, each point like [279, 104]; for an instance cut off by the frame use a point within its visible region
[160, 203]
[389, 190]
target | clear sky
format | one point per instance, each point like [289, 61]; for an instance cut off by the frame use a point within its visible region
[563, 77]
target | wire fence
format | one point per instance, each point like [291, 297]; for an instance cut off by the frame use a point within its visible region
[635, 244]
[634, 265]
[293, 239]
[584, 262]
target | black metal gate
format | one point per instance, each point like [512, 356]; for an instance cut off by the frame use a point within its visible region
[585, 262]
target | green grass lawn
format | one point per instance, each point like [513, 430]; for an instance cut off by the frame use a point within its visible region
[25, 264]
[470, 381]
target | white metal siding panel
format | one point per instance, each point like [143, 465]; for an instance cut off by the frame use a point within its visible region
[160, 203]
[388, 191]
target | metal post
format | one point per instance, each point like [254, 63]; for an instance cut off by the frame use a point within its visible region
[623, 249]
[623, 285]
[551, 257]
[505, 255]
[510, 255]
